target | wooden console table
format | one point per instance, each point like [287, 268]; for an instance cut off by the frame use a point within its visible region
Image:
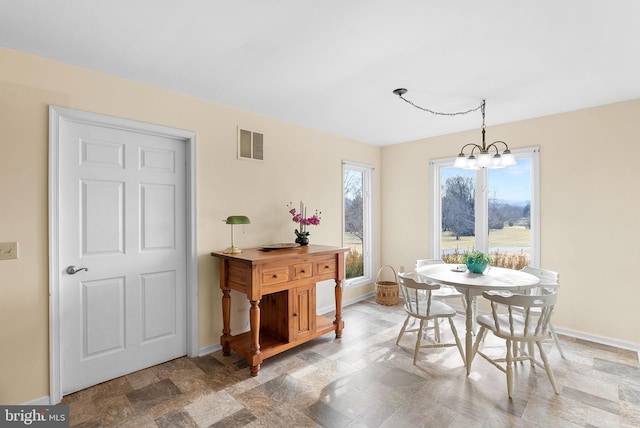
[281, 287]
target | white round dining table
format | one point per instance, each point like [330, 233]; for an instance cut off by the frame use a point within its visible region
[472, 285]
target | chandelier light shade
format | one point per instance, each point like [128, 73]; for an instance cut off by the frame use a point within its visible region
[233, 220]
[477, 156]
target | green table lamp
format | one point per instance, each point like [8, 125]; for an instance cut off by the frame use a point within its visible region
[233, 220]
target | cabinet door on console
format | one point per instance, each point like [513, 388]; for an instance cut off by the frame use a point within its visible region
[303, 311]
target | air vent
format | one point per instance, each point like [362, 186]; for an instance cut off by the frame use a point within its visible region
[250, 145]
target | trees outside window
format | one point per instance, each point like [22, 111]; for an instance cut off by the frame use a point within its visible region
[357, 222]
[494, 211]
[458, 200]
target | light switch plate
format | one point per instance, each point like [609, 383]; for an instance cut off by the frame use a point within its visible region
[8, 250]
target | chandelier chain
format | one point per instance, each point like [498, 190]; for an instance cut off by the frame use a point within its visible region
[439, 113]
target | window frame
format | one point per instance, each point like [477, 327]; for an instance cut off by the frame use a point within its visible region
[367, 221]
[482, 204]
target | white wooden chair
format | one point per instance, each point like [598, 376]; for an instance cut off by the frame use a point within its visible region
[445, 291]
[549, 281]
[419, 304]
[517, 327]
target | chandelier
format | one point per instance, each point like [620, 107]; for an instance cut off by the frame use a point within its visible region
[480, 156]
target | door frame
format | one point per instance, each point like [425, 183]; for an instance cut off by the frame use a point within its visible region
[56, 116]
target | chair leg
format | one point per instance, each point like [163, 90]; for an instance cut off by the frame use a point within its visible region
[455, 335]
[556, 340]
[402, 330]
[532, 353]
[509, 361]
[418, 343]
[479, 338]
[436, 333]
[426, 329]
[547, 368]
[474, 307]
[517, 349]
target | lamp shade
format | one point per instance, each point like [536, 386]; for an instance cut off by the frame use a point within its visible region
[237, 219]
[233, 220]
[460, 162]
[508, 159]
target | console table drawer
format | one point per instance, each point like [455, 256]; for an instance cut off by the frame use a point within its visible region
[325, 266]
[302, 270]
[275, 276]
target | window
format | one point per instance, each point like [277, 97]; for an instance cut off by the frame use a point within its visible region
[356, 235]
[491, 210]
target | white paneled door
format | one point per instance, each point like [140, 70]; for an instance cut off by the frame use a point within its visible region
[122, 252]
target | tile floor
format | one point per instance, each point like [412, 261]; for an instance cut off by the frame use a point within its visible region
[365, 380]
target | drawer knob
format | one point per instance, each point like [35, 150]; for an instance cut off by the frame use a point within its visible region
[302, 271]
[275, 276]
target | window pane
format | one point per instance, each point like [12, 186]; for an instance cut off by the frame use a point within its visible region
[458, 212]
[353, 223]
[510, 239]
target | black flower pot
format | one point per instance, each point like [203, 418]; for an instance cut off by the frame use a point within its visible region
[302, 240]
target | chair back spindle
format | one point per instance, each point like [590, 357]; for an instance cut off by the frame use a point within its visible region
[527, 315]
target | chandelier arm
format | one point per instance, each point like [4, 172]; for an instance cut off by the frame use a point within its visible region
[493, 145]
[506, 146]
[475, 146]
[496, 147]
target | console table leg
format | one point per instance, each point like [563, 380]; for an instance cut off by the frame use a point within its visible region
[226, 321]
[254, 370]
[338, 321]
[254, 324]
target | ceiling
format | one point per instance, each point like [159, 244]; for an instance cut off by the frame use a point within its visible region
[332, 65]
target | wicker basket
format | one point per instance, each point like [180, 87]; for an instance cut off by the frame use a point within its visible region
[387, 291]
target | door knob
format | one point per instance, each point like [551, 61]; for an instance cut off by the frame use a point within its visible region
[72, 270]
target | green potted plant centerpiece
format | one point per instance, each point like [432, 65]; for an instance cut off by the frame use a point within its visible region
[476, 261]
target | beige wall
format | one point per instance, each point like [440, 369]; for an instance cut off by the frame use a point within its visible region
[590, 209]
[299, 164]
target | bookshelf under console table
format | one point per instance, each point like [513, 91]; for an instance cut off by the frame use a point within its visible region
[281, 287]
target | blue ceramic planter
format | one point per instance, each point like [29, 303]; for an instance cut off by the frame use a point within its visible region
[476, 267]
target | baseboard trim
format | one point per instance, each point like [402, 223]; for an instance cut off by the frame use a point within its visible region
[209, 349]
[42, 401]
[331, 308]
[602, 340]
